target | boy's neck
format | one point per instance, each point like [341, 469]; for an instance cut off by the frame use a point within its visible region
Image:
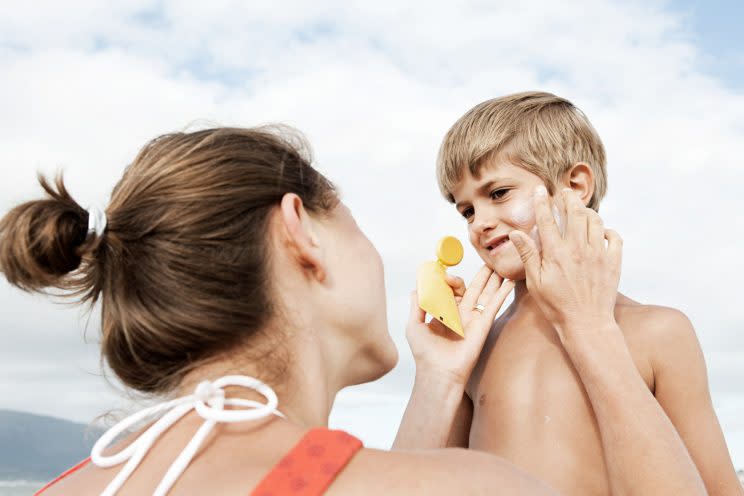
[522, 296]
[526, 304]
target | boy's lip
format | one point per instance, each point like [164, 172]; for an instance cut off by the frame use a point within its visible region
[495, 242]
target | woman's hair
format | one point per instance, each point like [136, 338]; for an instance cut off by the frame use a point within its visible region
[182, 269]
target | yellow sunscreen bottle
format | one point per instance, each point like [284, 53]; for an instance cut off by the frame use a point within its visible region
[434, 294]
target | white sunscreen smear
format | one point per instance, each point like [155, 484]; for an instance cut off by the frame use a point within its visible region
[522, 214]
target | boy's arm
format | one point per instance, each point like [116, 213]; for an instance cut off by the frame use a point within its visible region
[681, 388]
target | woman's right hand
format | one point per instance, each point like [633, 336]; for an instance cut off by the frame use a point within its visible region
[574, 280]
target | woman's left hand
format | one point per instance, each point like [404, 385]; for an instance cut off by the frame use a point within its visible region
[438, 350]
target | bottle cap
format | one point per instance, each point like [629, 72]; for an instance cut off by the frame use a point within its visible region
[449, 251]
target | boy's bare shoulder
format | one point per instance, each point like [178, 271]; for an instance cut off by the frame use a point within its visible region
[652, 324]
[445, 471]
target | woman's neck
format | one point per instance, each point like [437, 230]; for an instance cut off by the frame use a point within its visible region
[305, 387]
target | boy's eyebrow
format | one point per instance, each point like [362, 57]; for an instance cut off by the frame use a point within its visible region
[484, 188]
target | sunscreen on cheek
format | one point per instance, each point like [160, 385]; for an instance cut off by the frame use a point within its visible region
[522, 214]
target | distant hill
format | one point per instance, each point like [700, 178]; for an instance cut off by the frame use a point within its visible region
[36, 447]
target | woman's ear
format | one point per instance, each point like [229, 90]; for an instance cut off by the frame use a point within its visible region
[580, 178]
[300, 237]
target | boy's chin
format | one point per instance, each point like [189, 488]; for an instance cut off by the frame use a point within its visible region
[513, 271]
[508, 268]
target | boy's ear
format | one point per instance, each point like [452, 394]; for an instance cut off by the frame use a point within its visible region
[299, 236]
[580, 178]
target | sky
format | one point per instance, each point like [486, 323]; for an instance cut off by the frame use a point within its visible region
[374, 86]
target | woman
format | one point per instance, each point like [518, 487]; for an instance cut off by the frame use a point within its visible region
[223, 258]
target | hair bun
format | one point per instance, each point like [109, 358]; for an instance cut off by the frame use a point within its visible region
[41, 240]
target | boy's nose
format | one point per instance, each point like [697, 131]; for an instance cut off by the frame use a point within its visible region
[483, 224]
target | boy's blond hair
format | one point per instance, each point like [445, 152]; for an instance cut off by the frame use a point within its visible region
[541, 132]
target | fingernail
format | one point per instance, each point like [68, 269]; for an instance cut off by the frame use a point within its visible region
[541, 191]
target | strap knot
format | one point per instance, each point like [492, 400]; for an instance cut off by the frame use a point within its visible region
[209, 402]
[208, 393]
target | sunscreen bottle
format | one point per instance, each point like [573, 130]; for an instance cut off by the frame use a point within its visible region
[434, 294]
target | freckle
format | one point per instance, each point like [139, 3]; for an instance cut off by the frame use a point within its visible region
[482, 399]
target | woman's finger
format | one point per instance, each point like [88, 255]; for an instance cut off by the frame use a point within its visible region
[576, 221]
[548, 230]
[614, 249]
[417, 315]
[529, 254]
[456, 283]
[596, 232]
[492, 285]
[470, 298]
[494, 305]
[480, 323]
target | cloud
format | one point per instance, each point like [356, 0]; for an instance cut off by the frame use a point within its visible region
[374, 87]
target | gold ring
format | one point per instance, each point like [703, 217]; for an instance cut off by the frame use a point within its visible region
[479, 308]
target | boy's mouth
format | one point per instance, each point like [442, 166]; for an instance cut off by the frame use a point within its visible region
[493, 244]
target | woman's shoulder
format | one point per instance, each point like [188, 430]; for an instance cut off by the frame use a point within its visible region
[444, 471]
[367, 472]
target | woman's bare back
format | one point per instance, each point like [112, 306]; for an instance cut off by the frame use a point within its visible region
[235, 458]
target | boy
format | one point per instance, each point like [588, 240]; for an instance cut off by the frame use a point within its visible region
[524, 401]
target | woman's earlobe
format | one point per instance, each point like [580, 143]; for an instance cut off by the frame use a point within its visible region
[318, 262]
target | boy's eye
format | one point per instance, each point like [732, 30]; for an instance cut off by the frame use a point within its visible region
[467, 213]
[497, 194]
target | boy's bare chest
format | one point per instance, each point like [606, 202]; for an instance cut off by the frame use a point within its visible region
[523, 367]
[531, 408]
[530, 363]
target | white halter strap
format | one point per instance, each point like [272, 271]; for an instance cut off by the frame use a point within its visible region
[208, 400]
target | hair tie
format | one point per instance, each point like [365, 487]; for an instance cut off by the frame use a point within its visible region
[97, 222]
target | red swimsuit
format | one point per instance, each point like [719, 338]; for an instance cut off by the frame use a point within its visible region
[307, 470]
